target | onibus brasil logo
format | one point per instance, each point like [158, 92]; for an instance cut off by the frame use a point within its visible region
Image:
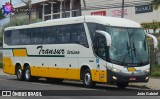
[7, 8]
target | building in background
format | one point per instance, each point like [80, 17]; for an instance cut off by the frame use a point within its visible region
[48, 9]
[137, 10]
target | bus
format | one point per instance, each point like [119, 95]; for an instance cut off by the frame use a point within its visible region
[91, 49]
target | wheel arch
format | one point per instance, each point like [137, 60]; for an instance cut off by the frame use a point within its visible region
[83, 68]
[17, 65]
[26, 64]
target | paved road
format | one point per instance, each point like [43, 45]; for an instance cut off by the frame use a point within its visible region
[8, 82]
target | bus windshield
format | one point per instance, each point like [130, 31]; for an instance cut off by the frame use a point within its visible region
[129, 46]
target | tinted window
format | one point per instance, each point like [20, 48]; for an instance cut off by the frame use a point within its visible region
[49, 35]
[24, 37]
[15, 37]
[92, 29]
[78, 35]
[60, 34]
[7, 37]
[63, 34]
[98, 40]
[36, 35]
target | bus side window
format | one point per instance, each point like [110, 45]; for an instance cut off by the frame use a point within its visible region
[24, 36]
[63, 35]
[49, 35]
[15, 37]
[100, 47]
[79, 35]
[59, 37]
[98, 40]
[82, 39]
[7, 37]
[74, 37]
[36, 36]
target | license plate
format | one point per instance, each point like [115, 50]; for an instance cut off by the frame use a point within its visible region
[131, 69]
[132, 79]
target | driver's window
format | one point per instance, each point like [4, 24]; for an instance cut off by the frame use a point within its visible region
[98, 40]
[100, 46]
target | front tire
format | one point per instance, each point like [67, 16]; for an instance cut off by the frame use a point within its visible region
[122, 85]
[19, 73]
[87, 79]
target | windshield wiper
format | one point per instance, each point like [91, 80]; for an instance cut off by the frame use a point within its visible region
[127, 53]
[136, 52]
[128, 48]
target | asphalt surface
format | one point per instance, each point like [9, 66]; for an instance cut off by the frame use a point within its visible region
[8, 82]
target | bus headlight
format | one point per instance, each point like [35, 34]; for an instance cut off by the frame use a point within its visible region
[147, 70]
[116, 70]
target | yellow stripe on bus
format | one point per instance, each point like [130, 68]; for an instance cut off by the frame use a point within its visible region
[67, 73]
[8, 66]
[20, 52]
[52, 72]
[64, 73]
[99, 75]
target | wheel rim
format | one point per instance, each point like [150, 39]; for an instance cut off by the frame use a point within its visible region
[27, 74]
[87, 78]
[19, 73]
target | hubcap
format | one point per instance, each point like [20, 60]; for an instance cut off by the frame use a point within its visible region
[87, 78]
[27, 74]
[19, 73]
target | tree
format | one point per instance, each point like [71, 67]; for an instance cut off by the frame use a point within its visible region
[146, 26]
[156, 4]
[154, 26]
[1, 15]
[16, 22]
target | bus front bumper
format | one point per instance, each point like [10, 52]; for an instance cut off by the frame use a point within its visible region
[121, 77]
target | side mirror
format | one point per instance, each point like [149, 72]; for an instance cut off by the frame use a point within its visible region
[107, 36]
[154, 40]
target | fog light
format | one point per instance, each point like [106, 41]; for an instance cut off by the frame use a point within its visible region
[147, 70]
[147, 78]
[115, 78]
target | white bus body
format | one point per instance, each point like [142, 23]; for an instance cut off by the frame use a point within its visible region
[80, 48]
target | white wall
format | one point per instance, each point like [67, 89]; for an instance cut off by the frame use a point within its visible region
[130, 14]
[130, 11]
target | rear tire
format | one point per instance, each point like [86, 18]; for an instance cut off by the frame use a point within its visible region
[27, 74]
[87, 79]
[19, 73]
[122, 85]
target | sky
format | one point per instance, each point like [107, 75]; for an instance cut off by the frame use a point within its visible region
[2, 2]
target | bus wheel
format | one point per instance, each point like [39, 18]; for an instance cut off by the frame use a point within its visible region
[19, 73]
[54, 80]
[122, 85]
[27, 74]
[87, 79]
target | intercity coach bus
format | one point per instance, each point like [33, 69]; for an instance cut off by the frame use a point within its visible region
[93, 49]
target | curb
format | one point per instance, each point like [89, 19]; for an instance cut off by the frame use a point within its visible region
[154, 77]
[139, 86]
